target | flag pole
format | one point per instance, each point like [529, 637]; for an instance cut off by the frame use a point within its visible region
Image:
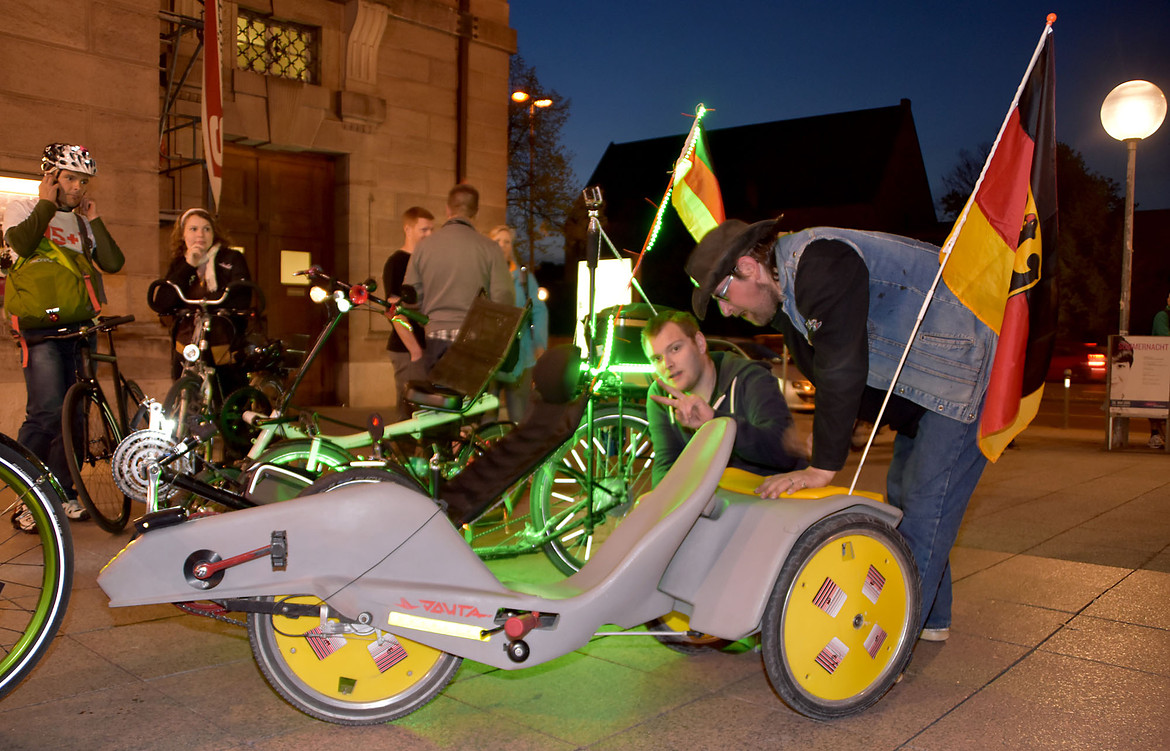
[949, 245]
[656, 225]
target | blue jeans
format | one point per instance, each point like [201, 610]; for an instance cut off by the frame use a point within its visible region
[52, 369]
[931, 478]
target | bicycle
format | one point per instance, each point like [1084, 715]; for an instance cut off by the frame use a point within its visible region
[288, 453]
[91, 429]
[198, 392]
[36, 567]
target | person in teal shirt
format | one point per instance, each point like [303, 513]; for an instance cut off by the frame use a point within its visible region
[515, 385]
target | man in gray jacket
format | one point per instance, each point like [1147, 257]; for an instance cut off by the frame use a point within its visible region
[450, 267]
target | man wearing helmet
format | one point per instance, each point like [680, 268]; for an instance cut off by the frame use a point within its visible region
[59, 228]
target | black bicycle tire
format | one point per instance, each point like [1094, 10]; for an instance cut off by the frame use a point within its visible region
[81, 402]
[26, 479]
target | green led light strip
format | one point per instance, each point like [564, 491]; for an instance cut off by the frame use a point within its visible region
[688, 149]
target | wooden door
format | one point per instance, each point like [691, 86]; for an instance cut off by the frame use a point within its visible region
[274, 202]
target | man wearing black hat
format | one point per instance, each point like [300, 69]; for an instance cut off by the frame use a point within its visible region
[846, 301]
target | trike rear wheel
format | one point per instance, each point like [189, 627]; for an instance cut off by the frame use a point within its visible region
[842, 619]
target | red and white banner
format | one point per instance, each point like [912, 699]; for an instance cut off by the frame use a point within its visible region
[212, 99]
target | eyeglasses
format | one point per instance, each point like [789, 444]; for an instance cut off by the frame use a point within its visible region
[721, 293]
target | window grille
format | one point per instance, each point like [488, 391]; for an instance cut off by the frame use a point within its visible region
[277, 48]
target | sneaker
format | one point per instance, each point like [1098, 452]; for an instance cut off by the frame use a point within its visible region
[74, 510]
[1156, 442]
[22, 520]
[935, 634]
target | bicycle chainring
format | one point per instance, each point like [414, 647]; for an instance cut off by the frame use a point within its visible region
[134, 457]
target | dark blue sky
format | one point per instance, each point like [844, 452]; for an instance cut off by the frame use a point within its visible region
[631, 68]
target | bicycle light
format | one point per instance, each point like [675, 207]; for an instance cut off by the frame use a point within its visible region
[318, 294]
[191, 353]
[342, 302]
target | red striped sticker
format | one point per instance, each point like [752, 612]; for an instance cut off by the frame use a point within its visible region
[875, 640]
[387, 652]
[831, 656]
[830, 598]
[324, 645]
[874, 583]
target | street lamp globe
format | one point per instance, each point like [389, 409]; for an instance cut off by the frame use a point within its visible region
[1135, 109]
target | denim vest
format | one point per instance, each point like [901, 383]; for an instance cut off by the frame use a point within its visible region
[948, 366]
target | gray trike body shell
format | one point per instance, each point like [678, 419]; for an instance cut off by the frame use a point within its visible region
[389, 556]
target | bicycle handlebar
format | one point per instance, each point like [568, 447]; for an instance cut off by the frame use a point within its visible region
[103, 324]
[208, 302]
[362, 293]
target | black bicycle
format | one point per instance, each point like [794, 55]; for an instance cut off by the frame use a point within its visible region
[91, 427]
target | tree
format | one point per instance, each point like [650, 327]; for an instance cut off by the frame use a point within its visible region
[1089, 239]
[541, 184]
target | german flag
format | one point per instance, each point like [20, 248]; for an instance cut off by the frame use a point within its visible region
[1002, 262]
[696, 195]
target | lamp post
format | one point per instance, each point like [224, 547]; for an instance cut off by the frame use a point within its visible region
[1132, 111]
[520, 97]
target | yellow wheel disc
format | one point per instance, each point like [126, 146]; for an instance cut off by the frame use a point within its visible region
[350, 667]
[845, 616]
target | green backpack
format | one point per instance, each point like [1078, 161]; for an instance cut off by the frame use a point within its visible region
[51, 287]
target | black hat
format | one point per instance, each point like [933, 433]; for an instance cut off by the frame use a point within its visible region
[715, 256]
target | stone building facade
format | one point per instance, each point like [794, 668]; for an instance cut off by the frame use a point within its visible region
[405, 98]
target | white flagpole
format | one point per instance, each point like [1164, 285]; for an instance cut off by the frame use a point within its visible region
[949, 246]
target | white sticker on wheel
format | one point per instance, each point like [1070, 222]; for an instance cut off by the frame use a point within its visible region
[324, 645]
[874, 583]
[875, 640]
[831, 656]
[386, 651]
[830, 598]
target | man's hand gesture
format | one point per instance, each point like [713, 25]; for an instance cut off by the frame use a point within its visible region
[689, 410]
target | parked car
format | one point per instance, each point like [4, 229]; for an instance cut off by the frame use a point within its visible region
[799, 393]
[1087, 362]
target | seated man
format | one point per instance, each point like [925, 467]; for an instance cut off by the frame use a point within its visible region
[695, 386]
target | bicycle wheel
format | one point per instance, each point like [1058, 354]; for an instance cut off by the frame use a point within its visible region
[307, 457]
[36, 568]
[91, 436]
[183, 400]
[133, 397]
[842, 618]
[345, 478]
[355, 679]
[574, 520]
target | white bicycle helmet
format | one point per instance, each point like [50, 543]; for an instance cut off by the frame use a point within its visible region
[70, 157]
